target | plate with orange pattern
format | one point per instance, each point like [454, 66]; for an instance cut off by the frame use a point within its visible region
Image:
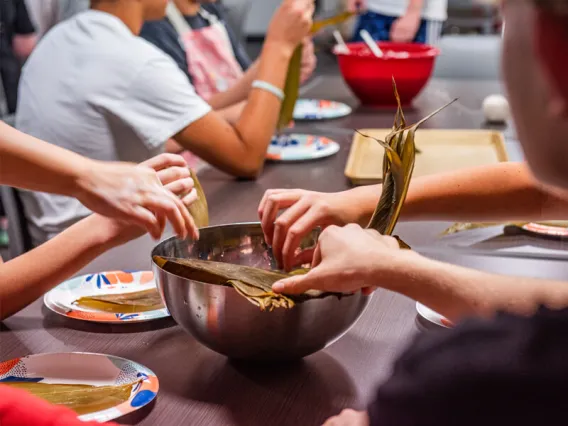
[300, 147]
[432, 316]
[318, 109]
[62, 298]
[77, 368]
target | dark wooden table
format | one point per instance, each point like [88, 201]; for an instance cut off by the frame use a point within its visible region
[199, 387]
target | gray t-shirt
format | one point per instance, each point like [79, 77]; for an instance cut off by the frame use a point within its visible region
[93, 87]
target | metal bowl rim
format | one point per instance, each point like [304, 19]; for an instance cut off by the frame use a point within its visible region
[205, 228]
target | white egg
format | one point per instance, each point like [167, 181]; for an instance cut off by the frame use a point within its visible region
[496, 109]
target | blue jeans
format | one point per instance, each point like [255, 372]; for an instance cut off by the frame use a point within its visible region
[379, 26]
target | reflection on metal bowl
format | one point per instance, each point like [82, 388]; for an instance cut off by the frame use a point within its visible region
[221, 319]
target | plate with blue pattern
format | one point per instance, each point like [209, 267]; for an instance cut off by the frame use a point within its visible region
[298, 147]
[62, 299]
[318, 109]
[77, 368]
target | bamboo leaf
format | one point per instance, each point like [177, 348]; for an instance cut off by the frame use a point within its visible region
[334, 20]
[398, 162]
[291, 89]
[199, 209]
[292, 86]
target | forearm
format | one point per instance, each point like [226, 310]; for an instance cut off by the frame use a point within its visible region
[173, 147]
[415, 7]
[233, 113]
[29, 163]
[259, 117]
[236, 93]
[23, 45]
[28, 277]
[239, 148]
[457, 292]
[502, 192]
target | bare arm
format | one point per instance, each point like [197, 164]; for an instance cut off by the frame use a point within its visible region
[415, 7]
[237, 93]
[350, 259]
[240, 149]
[47, 167]
[502, 192]
[120, 190]
[456, 292]
[53, 262]
[404, 28]
[24, 279]
[499, 193]
[23, 45]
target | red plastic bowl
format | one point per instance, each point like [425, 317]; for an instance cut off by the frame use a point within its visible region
[370, 77]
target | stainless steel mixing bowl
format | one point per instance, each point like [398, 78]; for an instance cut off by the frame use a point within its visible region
[224, 321]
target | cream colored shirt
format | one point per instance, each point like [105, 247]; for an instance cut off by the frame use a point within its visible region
[434, 10]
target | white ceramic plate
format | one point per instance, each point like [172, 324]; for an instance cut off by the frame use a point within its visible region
[61, 299]
[432, 316]
[298, 147]
[316, 109]
[86, 369]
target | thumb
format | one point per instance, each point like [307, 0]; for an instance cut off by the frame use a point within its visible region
[294, 285]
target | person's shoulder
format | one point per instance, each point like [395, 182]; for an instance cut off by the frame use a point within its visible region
[156, 31]
[215, 9]
[154, 55]
[474, 368]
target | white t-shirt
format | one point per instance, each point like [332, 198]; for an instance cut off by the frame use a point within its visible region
[93, 87]
[434, 10]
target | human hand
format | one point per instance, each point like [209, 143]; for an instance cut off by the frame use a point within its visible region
[309, 60]
[356, 5]
[306, 211]
[347, 260]
[404, 29]
[349, 418]
[176, 180]
[291, 23]
[145, 194]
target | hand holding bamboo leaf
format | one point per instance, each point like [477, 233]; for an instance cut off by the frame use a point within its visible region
[398, 165]
[292, 87]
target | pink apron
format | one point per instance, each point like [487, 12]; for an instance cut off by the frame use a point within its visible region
[210, 58]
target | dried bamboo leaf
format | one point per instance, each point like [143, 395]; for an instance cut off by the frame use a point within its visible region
[139, 301]
[466, 226]
[291, 89]
[394, 139]
[83, 399]
[292, 86]
[334, 20]
[398, 165]
[255, 284]
[401, 243]
[199, 209]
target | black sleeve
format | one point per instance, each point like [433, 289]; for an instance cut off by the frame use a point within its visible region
[23, 24]
[509, 371]
[238, 49]
[164, 36]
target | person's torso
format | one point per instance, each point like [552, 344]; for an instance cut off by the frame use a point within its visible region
[435, 10]
[164, 35]
[78, 75]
